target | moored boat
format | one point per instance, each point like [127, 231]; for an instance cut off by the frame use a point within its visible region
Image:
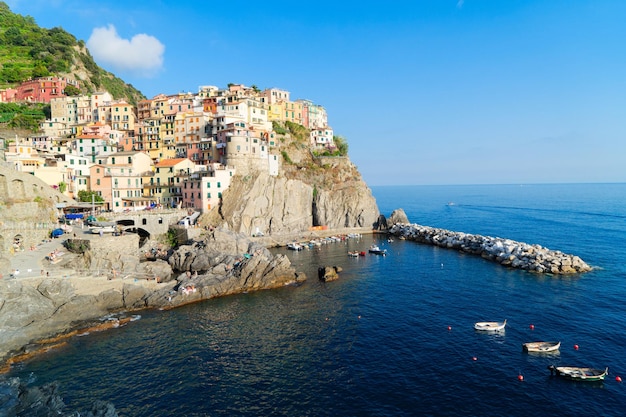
[377, 251]
[490, 326]
[294, 246]
[541, 347]
[353, 254]
[579, 374]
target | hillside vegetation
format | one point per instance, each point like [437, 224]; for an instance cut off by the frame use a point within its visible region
[29, 51]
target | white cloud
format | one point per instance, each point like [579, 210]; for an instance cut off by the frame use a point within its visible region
[142, 54]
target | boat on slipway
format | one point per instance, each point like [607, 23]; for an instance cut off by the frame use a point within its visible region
[490, 326]
[579, 374]
[541, 347]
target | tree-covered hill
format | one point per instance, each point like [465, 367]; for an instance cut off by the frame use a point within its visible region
[29, 51]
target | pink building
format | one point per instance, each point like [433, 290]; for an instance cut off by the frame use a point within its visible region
[8, 95]
[42, 90]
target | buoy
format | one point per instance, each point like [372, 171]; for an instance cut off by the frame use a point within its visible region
[532, 327]
[359, 317]
[520, 377]
[474, 358]
[618, 378]
[449, 327]
[575, 347]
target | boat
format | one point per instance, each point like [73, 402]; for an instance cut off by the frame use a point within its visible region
[541, 347]
[103, 229]
[377, 251]
[579, 374]
[294, 246]
[354, 254]
[490, 326]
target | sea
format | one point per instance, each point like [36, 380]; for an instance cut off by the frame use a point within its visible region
[393, 336]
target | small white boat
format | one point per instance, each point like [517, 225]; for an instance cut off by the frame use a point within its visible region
[294, 246]
[490, 326]
[579, 374]
[377, 251]
[541, 347]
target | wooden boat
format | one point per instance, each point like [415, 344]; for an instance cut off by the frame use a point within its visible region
[377, 251]
[541, 347]
[579, 374]
[490, 326]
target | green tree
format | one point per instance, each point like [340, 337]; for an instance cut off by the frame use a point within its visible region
[342, 145]
[62, 187]
[71, 90]
[40, 70]
[86, 196]
[13, 36]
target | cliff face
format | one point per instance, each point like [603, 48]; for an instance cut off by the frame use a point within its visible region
[296, 200]
[27, 211]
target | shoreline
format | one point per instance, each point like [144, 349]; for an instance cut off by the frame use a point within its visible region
[96, 296]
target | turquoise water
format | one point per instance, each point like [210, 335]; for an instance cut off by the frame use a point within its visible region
[393, 336]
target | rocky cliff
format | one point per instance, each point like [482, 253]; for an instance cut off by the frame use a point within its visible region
[309, 191]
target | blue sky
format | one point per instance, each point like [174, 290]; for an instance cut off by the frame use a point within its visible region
[425, 92]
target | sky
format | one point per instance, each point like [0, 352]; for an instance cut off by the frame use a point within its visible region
[426, 92]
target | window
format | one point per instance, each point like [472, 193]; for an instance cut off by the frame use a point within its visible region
[219, 185]
[208, 185]
[208, 195]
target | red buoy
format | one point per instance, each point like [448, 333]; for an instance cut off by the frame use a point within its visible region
[474, 358]
[575, 347]
[449, 327]
[532, 327]
[618, 378]
[520, 377]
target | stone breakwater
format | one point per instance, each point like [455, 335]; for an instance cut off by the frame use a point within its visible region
[519, 255]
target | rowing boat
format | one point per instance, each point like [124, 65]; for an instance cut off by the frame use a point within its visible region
[579, 374]
[490, 326]
[541, 346]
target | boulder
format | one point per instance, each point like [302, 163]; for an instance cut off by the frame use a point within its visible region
[328, 273]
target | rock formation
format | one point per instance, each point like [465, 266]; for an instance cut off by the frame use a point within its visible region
[309, 191]
[20, 399]
[222, 264]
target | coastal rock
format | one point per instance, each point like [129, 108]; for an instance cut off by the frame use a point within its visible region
[334, 197]
[398, 216]
[328, 273]
[19, 399]
[507, 252]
